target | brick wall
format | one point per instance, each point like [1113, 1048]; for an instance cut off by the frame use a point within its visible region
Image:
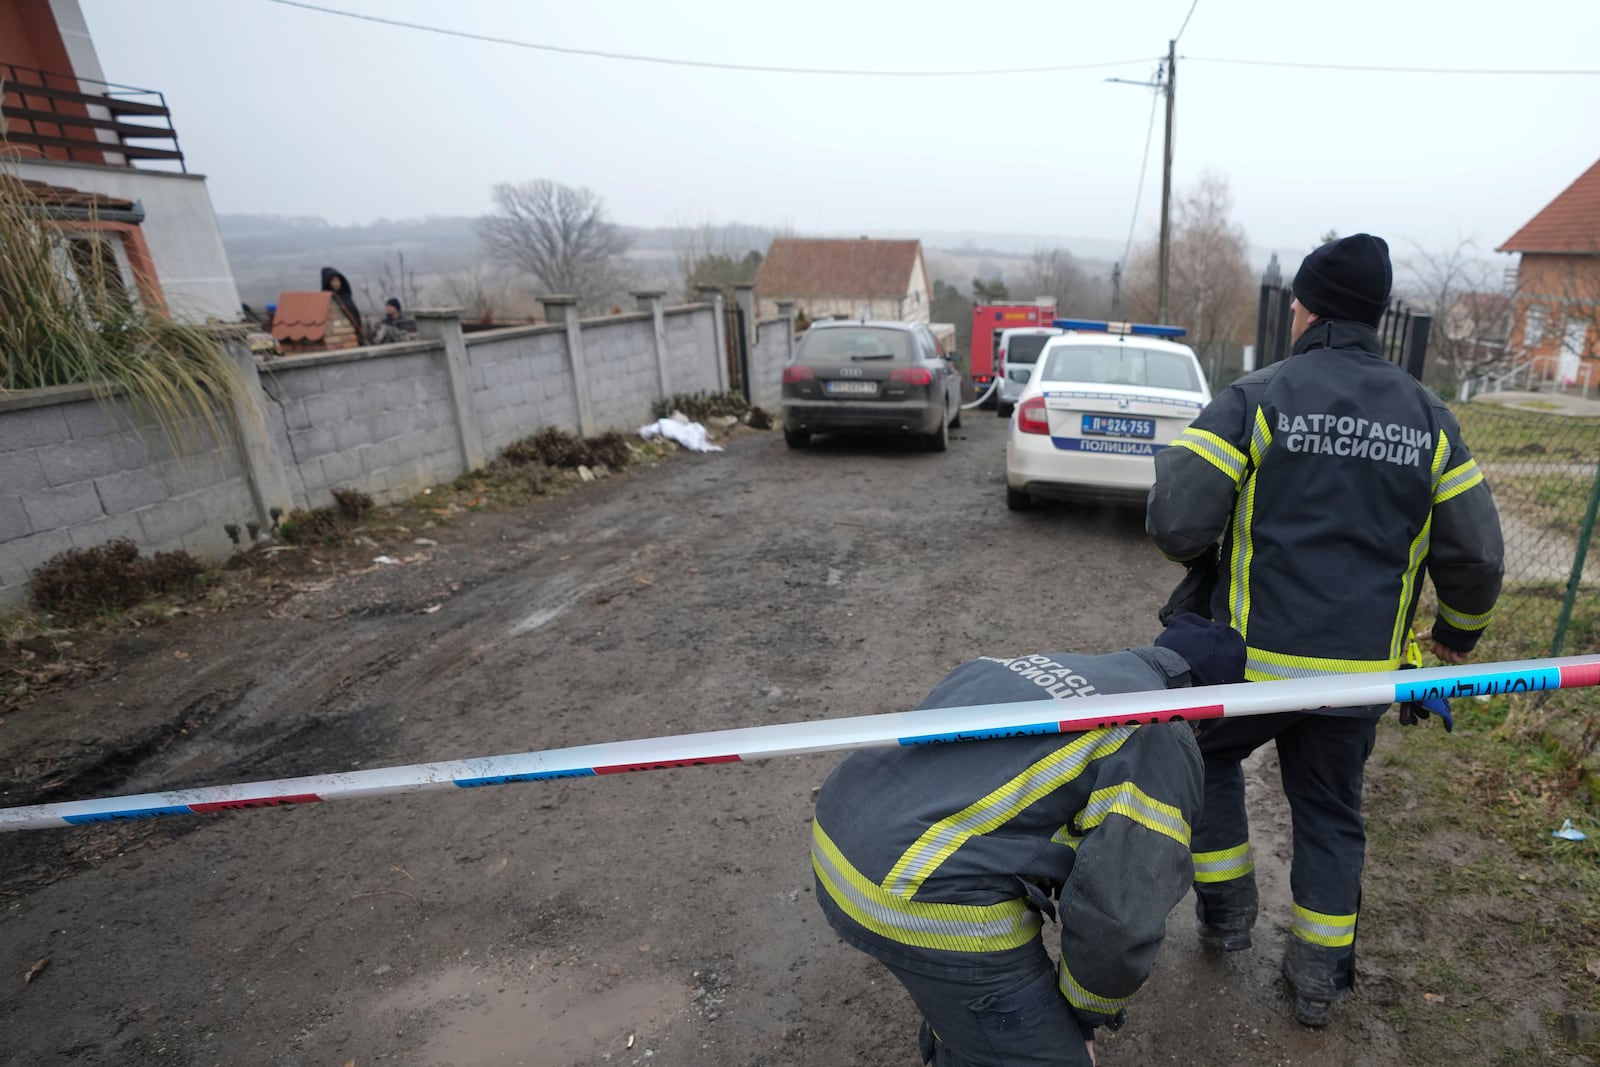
[77, 472]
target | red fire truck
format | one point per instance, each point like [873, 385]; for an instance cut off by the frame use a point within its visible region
[988, 320]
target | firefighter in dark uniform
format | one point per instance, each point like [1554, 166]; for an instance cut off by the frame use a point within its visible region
[940, 859]
[1316, 492]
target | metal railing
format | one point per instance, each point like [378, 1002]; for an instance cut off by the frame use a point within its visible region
[1402, 332]
[86, 121]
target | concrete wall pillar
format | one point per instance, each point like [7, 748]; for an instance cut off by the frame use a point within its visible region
[564, 309]
[745, 297]
[650, 300]
[786, 309]
[269, 486]
[712, 294]
[444, 325]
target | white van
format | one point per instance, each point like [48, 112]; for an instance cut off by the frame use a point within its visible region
[1019, 350]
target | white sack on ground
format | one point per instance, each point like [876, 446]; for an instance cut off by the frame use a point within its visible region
[691, 436]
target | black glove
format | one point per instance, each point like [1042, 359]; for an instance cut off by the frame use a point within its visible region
[1193, 592]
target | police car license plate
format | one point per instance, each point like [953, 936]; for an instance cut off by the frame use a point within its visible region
[853, 389]
[1117, 426]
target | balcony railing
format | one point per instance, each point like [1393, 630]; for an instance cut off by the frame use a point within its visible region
[62, 116]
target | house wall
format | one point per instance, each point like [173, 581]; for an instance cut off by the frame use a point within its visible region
[77, 472]
[1566, 288]
[818, 307]
[180, 228]
[917, 294]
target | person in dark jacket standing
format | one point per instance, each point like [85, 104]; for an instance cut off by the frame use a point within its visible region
[1321, 489]
[336, 283]
[939, 859]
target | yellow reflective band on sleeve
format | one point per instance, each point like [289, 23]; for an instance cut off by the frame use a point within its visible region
[1214, 450]
[1330, 931]
[923, 924]
[1131, 802]
[1084, 1000]
[1415, 555]
[1264, 666]
[1457, 481]
[939, 841]
[1243, 549]
[1225, 864]
[1065, 836]
[1461, 620]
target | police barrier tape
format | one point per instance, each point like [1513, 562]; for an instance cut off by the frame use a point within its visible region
[928, 726]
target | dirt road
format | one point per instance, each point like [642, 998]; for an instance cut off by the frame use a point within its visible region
[664, 918]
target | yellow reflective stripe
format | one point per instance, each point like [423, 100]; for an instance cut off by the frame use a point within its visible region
[1264, 666]
[1084, 1000]
[939, 841]
[1214, 450]
[1462, 620]
[1330, 931]
[1457, 481]
[1417, 552]
[952, 927]
[1224, 865]
[1065, 836]
[1131, 802]
[1243, 516]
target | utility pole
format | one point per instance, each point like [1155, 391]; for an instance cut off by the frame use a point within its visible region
[1166, 82]
[1116, 290]
[1166, 185]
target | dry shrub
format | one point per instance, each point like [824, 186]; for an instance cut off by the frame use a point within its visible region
[701, 406]
[316, 526]
[611, 449]
[82, 581]
[353, 504]
[555, 447]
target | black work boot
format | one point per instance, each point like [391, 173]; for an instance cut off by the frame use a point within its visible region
[1319, 976]
[1226, 915]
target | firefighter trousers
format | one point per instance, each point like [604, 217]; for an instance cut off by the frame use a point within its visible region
[1321, 761]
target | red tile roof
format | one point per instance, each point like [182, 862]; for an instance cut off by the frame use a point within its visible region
[303, 316]
[1569, 223]
[59, 196]
[861, 268]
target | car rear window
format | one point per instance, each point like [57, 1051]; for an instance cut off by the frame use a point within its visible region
[1025, 348]
[854, 343]
[1120, 365]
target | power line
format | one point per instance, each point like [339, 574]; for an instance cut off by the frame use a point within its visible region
[705, 64]
[1186, 20]
[1138, 192]
[1383, 70]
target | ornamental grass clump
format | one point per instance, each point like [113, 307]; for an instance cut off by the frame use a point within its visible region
[66, 317]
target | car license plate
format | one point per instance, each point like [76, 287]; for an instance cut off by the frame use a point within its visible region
[852, 388]
[1117, 426]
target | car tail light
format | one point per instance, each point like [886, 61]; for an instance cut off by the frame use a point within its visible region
[1032, 416]
[912, 375]
[795, 372]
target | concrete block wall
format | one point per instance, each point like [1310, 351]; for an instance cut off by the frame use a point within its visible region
[76, 471]
[767, 358]
[377, 419]
[691, 332]
[520, 381]
[623, 378]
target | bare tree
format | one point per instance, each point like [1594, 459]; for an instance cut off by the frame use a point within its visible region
[1471, 311]
[1209, 289]
[558, 234]
[1055, 272]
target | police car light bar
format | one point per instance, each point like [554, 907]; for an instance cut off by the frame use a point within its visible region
[1137, 328]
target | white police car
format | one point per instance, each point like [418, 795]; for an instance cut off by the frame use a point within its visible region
[1103, 399]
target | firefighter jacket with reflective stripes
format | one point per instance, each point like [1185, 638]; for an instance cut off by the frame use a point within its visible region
[1333, 481]
[938, 854]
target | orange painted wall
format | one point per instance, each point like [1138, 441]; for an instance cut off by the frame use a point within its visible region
[29, 38]
[1567, 288]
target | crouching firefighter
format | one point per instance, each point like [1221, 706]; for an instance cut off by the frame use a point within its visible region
[942, 860]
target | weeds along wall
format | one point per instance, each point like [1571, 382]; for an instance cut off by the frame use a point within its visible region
[77, 471]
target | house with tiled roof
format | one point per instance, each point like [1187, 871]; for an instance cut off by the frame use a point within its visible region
[312, 322]
[104, 160]
[850, 278]
[1556, 309]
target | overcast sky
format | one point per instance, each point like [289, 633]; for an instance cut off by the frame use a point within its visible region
[294, 112]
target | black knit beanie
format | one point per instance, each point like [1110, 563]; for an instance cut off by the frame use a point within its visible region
[1214, 652]
[1346, 279]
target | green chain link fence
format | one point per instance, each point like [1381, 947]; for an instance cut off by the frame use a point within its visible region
[1544, 469]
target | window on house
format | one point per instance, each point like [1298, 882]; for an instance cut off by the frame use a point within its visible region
[1533, 326]
[95, 263]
